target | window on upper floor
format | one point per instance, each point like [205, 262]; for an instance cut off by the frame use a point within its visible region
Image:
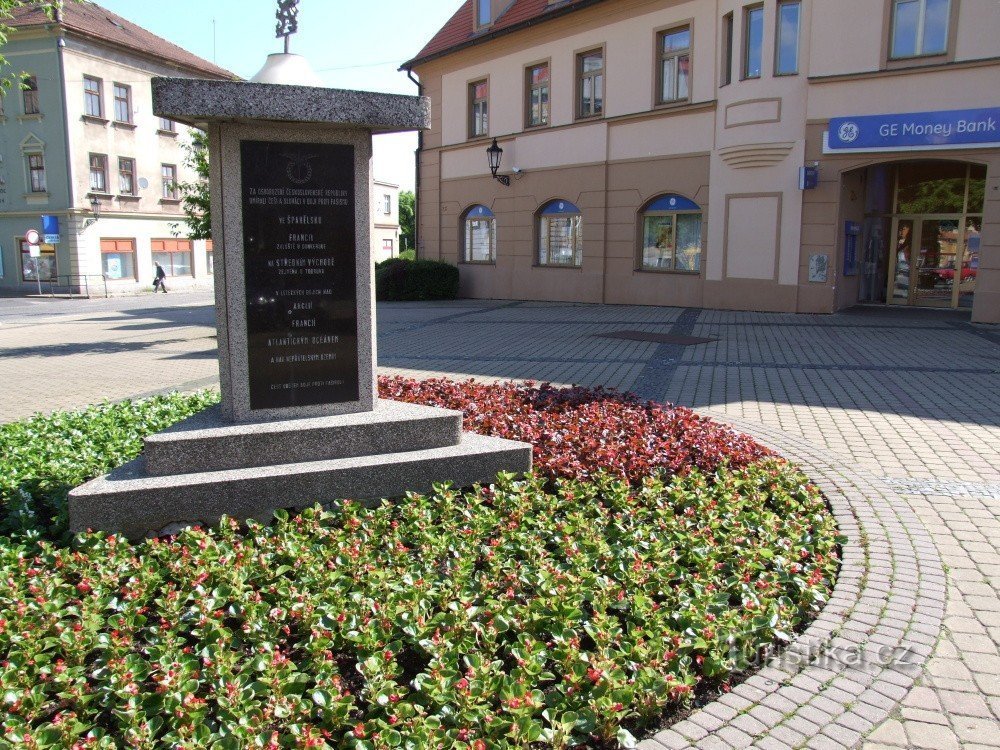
[168, 172]
[560, 234]
[753, 41]
[671, 235]
[920, 27]
[484, 12]
[537, 95]
[786, 53]
[479, 109]
[590, 83]
[387, 204]
[36, 173]
[29, 95]
[99, 173]
[727, 50]
[166, 125]
[674, 69]
[93, 104]
[126, 176]
[123, 103]
[479, 235]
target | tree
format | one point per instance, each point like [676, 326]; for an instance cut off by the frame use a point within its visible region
[194, 195]
[407, 225]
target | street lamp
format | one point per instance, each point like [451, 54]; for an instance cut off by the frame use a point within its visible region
[495, 155]
[95, 209]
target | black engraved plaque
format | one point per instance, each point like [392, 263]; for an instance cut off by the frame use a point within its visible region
[300, 264]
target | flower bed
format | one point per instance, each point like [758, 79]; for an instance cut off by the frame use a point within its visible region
[573, 608]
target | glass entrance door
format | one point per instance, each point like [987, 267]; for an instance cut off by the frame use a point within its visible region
[928, 266]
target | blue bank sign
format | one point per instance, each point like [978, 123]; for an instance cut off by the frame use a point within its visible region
[915, 131]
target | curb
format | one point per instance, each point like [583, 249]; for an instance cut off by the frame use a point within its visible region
[859, 658]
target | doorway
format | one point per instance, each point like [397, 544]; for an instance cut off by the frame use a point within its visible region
[922, 227]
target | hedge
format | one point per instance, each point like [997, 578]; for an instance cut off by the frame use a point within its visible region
[412, 280]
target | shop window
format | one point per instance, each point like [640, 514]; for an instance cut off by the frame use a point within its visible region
[590, 83]
[93, 105]
[29, 95]
[41, 268]
[537, 88]
[920, 27]
[118, 258]
[479, 109]
[671, 235]
[126, 176]
[674, 70]
[173, 255]
[786, 53]
[123, 103]
[99, 173]
[753, 41]
[479, 235]
[560, 234]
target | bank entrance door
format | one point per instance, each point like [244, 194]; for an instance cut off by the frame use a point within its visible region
[922, 227]
[933, 263]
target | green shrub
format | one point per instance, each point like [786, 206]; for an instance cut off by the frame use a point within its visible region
[46, 456]
[495, 618]
[397, 280]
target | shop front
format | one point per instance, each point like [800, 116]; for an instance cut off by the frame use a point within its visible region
[921, 190]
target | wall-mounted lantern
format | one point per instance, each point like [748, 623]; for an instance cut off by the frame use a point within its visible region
[495, 155]
[95, 209]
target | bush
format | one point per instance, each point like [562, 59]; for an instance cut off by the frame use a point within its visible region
[571, 608]
[398, 280]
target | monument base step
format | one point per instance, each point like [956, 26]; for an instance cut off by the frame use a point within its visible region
[207, 442]
[130, 502]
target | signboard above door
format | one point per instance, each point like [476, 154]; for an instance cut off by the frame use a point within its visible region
[914, 131]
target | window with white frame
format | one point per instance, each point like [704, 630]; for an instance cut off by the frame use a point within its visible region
[126, 176]
[674, 71]
[123, 103]
[99, 173]
[479, 238]
[93, 105]
[670, 235]
[920, 27]
[479, 109]
[168, 172]
[387, 204]
[166, 125]
[560, 234]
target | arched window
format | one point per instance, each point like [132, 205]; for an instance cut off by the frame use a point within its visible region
[671, 235]
[479, 236]
[560, 234]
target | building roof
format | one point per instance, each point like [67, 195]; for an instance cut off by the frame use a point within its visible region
[460, 33]
[91, 20]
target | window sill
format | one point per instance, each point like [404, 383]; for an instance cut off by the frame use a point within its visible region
[37, 117]
[170, 201]
[565, 267]
[123, 125]
[36, 198]
[669, 272]
[478, 262]
[98, 194]
[674, 104]
[166, 133]
[586, 118]
[95, 120]
[128, 198]
[539, 126]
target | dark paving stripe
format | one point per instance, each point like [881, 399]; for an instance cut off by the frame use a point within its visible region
[406, 327]
[654, 380]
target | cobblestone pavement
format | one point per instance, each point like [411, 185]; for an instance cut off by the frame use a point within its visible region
[895, 412]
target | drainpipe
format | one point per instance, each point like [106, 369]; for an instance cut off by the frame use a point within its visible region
[70, 197]
[416, 193]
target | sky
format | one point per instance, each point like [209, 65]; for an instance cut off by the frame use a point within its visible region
[350, 43]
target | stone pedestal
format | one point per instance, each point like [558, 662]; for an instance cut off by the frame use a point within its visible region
[300, 421]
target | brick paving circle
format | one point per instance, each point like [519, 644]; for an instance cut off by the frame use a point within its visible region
[859, 658]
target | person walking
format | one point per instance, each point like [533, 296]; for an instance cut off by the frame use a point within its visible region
[160, 281]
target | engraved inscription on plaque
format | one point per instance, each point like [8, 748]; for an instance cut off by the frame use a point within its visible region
[300, 264]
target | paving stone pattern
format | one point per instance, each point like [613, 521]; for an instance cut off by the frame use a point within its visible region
[894, 413]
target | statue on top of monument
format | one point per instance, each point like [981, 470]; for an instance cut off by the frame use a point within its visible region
[288, 23]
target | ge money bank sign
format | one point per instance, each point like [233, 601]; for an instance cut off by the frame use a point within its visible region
[916, 131]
